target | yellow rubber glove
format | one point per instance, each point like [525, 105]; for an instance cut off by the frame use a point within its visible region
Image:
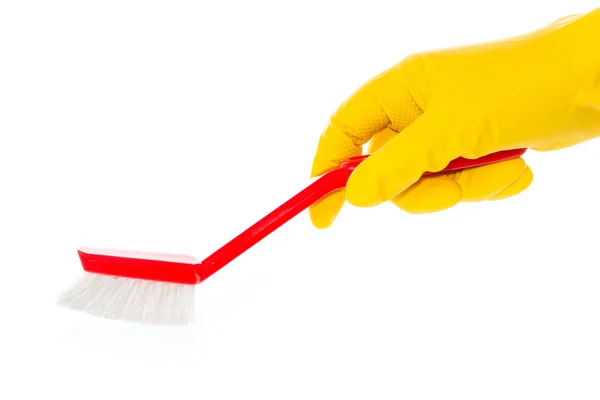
[539, 91]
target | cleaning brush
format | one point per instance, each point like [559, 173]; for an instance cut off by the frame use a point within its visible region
[159, 288]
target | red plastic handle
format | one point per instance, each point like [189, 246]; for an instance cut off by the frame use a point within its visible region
[331, 181]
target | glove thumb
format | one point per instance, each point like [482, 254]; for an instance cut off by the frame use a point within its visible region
[394, 167]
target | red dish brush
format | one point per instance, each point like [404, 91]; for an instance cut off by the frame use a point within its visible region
[159, 288]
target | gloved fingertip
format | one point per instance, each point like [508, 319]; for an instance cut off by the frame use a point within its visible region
[517, 187]
[429, 195]
[363, 188]
[318, 167]
[324, 212]
[483, 183]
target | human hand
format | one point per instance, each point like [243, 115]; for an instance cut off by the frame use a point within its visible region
[539, 91]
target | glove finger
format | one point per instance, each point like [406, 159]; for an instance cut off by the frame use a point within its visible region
[352, 125]
[323, 212]
[517, 187]
[430, 194]
[490, 182]
[482, 183]
[379, 105]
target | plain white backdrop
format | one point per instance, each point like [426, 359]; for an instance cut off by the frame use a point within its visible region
[171, 126]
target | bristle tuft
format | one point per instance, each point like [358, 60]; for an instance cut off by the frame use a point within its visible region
[135, 300]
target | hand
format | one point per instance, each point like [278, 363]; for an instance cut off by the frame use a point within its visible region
[539, 91]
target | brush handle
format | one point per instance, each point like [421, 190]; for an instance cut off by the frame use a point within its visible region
[331, 181]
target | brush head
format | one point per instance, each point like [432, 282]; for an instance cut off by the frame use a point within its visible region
[161, 267]
[133, 300]
[133, 286]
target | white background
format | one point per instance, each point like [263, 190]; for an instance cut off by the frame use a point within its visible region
[171, 126]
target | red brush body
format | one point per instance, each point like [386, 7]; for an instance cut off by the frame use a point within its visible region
[187, 270]
[138, 265]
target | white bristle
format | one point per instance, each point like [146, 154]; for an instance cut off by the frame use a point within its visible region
[134, 300]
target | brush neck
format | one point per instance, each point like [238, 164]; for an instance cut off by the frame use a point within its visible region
[333, 180]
